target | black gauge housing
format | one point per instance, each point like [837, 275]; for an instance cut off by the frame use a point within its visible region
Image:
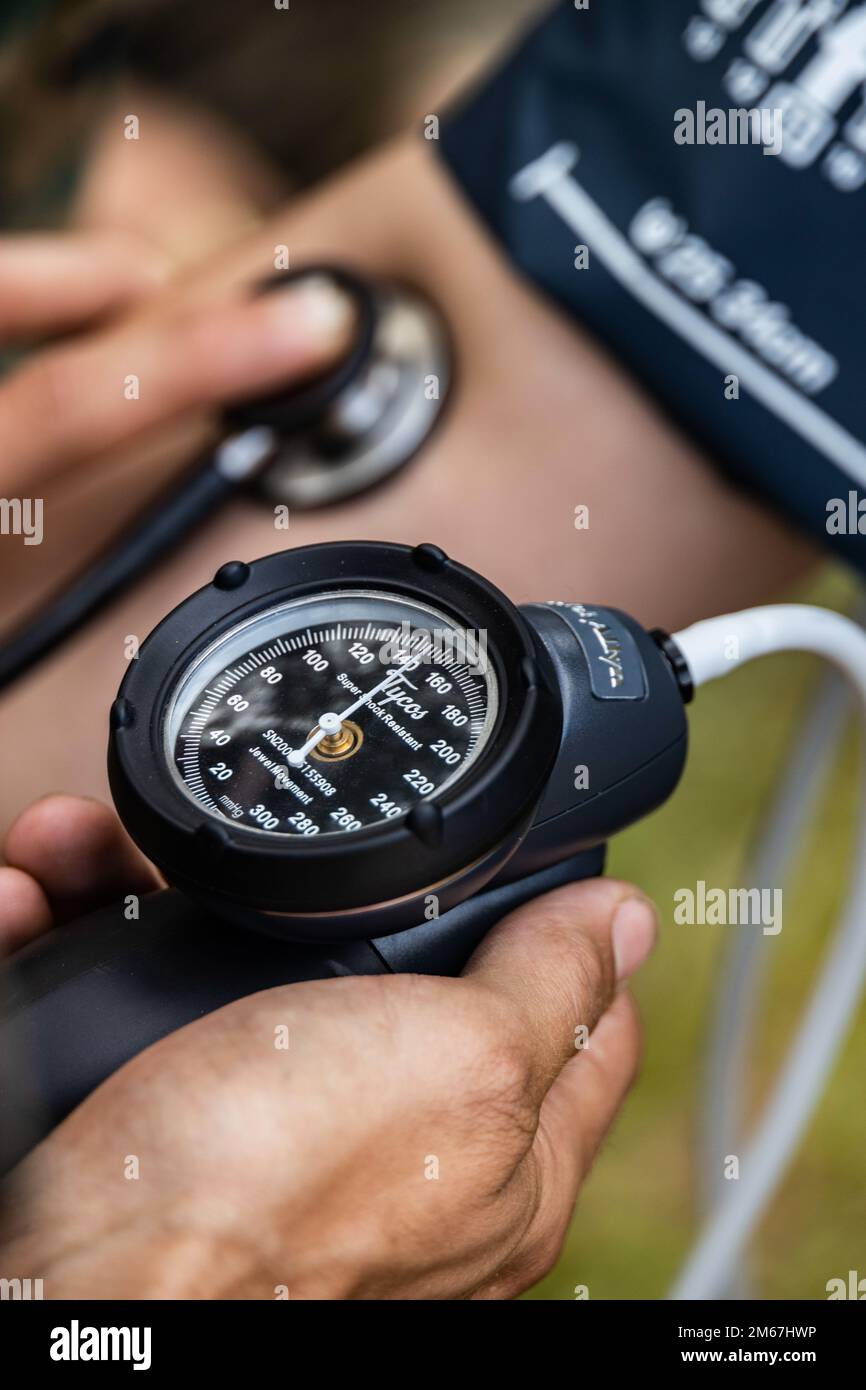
[283, 883]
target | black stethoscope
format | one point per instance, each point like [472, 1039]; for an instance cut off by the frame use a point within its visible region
[339, 434]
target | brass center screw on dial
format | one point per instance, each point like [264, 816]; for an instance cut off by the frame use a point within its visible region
[335, 747]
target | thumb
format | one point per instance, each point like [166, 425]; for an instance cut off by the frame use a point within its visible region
[553, 968]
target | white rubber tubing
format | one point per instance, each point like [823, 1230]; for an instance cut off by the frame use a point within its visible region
[731, 1039]
[714, 648]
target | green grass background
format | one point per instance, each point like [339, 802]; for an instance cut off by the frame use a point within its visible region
[637, 1214]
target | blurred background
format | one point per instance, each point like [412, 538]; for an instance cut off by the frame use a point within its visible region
[346, 77]
[637, 1214]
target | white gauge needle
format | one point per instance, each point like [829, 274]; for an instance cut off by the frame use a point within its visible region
[333, 723]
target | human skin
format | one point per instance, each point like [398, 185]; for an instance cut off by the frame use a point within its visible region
[471, 1071]
[469, 1062]
[416, 1138]
[542, 421]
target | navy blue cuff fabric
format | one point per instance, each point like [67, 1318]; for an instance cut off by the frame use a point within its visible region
[623, 128]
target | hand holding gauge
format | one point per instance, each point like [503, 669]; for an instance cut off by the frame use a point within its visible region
[463, 804]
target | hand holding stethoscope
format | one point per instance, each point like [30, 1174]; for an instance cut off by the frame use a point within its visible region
[336, 383]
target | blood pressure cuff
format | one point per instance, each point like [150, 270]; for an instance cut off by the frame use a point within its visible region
[619, 155]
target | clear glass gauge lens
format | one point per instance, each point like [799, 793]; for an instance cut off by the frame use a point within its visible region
[322, 716]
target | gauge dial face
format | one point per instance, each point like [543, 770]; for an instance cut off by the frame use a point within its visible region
[325, 715]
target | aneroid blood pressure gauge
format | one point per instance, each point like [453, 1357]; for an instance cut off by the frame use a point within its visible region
[346, 759]
[331, 731]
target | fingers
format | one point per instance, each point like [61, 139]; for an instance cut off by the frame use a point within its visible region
[25, 912]
[552, 967]
[51, 283]
[78, 853]
[584, 1101]
[577, 1113]
[72, 402]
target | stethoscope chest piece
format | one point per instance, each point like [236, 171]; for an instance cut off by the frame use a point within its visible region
[382, 416]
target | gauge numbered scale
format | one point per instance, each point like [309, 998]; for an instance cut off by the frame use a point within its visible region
[332, 729]
[326, 715]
